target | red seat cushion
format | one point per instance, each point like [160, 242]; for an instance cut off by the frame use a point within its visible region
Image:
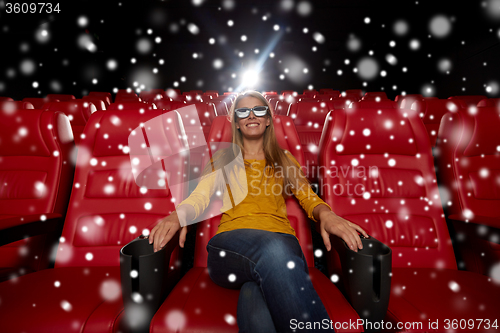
[197, 304]
[420, 295]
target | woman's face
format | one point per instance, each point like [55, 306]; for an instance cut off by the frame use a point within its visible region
[252, 126]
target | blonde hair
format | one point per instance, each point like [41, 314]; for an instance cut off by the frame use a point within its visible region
[275, 156]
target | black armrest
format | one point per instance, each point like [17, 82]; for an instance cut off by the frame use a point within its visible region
[20, 227]
[144, 281]
[367, 276]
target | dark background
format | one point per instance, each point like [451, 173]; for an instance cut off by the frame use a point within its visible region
[60, 65]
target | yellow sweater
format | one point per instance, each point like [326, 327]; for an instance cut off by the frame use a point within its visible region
[263, 207]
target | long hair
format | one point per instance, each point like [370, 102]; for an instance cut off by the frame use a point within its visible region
[275, 156]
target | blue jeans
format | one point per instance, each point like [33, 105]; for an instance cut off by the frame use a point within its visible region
[272, 272]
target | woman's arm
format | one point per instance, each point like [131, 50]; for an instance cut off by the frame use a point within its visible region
[331, 223]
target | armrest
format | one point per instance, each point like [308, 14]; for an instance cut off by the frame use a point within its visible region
[477, 224]
[367, 276]
[16, 228]
[144, 280]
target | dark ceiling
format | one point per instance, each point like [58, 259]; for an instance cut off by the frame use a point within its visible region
[89, 46]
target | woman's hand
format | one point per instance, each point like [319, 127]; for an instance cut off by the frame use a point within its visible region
[331, 223]
[166, 228]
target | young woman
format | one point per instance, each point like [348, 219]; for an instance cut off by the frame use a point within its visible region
[255, 248]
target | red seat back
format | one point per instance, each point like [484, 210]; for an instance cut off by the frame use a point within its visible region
[309, 118]
[78, 112]
[431, 112]
[132, 106]
[377, 171]
[60, 97]
[468, 162]
[107, 208]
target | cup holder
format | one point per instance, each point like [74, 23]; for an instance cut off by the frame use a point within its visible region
[143, 275]
[367, 277]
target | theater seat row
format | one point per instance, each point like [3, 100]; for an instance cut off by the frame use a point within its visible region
[428, 251]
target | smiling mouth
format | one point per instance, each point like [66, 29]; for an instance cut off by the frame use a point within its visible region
[253, 125]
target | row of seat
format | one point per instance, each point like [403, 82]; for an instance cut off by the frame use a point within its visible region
[107, 209]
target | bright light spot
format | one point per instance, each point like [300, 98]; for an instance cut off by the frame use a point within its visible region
[175, 320]
[334, 278]
[276, 27]
[66, 306]
[367, 68]
[89, 256]
[440, 26]
[250, 78]
[454, 286]
[148, 206]
[110, 290]
[304, 8]
[319, 38]
[484, 173]
[229, 319]
[27, 67]
[144, 46]
[193, 28]
[391, 59]
[318, 253]
[444, 65]
[392, 162]
[353, 43]
[389, 224]
[366, 132]
[82, 21]
[290, 265]
[414, 44]
[218, 63]
[400, 27]
[231, 277]
[367, 20]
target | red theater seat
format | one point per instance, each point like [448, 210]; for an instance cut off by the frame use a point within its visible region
[9, 105]
[169, 104]
[282, 107]
[374, 94]
[378, 172]
[471, 100]
[60, 97]
[126, 95]
[36, 173]
[6, 99]
[355, 92]
[202, 305]
[329, 91]
[309, 118]
[405, 102]
[106, 96]
[132, 106]
[489, 102]
[372, 104]
[99, 103]
[468, 167]
[106, 211]
[38, 102]
[78, 112]
[431, 112]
